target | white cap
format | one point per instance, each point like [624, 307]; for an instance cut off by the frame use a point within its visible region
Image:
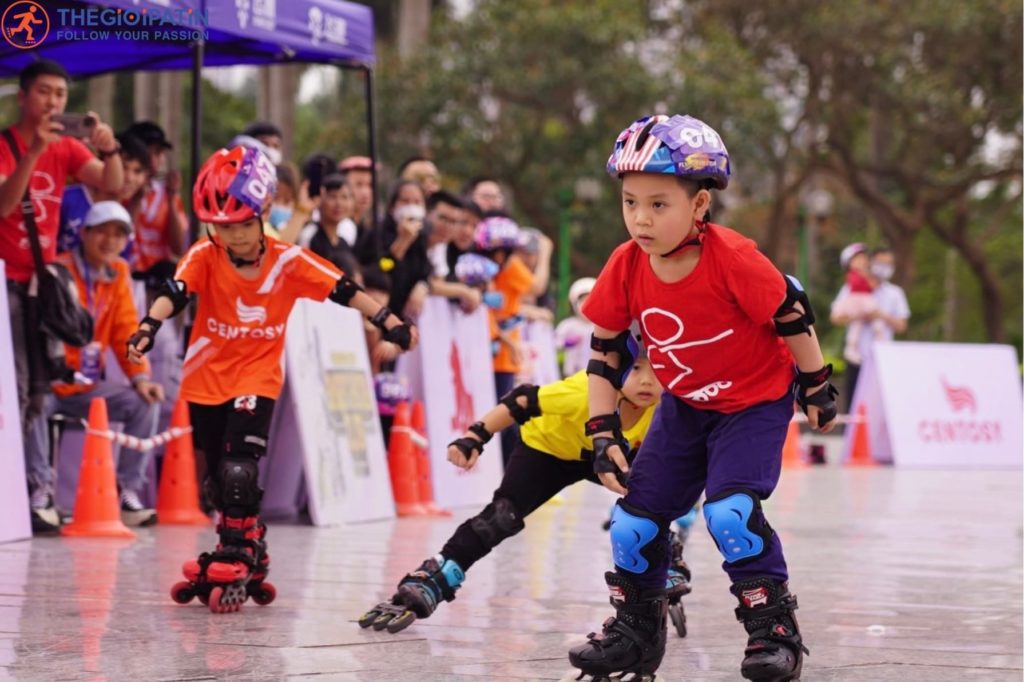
[847, 254]
[108, 211]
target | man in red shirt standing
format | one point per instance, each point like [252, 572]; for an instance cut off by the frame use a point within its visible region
[43, 160]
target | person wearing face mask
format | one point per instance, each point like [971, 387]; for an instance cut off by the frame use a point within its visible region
[867, 325]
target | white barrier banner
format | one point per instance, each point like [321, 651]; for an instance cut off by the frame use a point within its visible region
[453, 374]
[942, 405]
[331, 419]
[540, 365]
[14, 522]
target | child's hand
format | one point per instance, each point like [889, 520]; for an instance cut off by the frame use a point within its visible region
[815, 413]
[464, 452]
[610, 464]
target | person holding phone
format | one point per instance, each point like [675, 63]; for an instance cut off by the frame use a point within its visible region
[36, 157]
[405, 243]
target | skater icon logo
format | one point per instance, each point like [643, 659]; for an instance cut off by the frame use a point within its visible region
[756, 597]
[663, 331]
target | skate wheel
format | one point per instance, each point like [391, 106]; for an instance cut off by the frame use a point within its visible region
[401, 622]
[381, 621]
[264, 594]
[678, 616]
[182, 592]
[218, 604]
[366, 620]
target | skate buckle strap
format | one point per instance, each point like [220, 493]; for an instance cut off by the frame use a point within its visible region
[612, 629]
[785, 606]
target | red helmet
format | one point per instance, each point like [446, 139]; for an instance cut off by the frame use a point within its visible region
[234, 185]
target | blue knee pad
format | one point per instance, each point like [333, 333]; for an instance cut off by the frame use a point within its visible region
[687, 519]
[638, 539]
[736, 523]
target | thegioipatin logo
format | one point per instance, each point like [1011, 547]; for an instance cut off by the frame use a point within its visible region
[248, 314]
[25, 24]
[960, 397]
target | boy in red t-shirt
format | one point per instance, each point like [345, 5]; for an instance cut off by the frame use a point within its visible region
[247, 284]
[730, 338]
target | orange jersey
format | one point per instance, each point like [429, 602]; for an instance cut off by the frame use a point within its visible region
[107, 294]
[151, 224]
[514, 280]
[238, 337]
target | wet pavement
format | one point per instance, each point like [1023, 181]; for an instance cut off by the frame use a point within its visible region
[901, 576]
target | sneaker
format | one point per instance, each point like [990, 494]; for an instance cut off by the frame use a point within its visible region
[133, 512]
[43, 512]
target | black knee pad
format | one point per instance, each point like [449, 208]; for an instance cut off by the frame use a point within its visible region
[499, 520]
[239, 486]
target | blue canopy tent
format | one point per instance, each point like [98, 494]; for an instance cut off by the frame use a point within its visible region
[90, 37]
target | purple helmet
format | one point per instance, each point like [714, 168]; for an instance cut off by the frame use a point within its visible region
[391, 389]
[682, 145]
[497, 232]
[475, 270]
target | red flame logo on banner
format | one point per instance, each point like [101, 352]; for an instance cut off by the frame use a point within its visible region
[463, 415]
[960, 397]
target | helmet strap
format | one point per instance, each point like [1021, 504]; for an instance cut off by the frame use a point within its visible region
[687, 242]
[244, 262]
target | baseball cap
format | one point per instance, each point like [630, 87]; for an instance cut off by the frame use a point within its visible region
[108, 211]
[150, 133]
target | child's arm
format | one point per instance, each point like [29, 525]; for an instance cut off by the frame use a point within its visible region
[348, 293]
[816, 395]
[603, 426]
[518, 406]
[170, 301]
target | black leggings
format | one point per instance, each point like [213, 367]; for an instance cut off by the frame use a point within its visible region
[531, 478]
[237, 428]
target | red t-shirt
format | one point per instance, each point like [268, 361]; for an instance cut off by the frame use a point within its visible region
[238, 334]
[710, 336]
[60, 159]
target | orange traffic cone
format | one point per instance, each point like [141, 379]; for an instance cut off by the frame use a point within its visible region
[860, 446]
[792, 456]
[402, 464]
[97, 511]
[426, 486]
[177, 500]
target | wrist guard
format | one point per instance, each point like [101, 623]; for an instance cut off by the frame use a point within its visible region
[603, 422]
[603, 463]
[824, 400]
[480, 431]
[140, 334]
[400, 334]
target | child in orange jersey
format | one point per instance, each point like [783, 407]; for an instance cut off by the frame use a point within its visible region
[247, 283]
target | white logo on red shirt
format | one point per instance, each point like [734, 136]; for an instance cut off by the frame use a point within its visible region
[663, 345]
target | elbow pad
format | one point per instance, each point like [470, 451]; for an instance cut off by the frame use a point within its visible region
[519, 413]
[177, 292]
[344, 290]
[794, 294]
[623, 345]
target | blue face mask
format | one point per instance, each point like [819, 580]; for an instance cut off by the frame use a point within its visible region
[279, 215]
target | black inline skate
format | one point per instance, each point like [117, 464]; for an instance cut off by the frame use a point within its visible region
[236, 570]
[775, 649]
[678, 584]
[631, 643]
[418, 595]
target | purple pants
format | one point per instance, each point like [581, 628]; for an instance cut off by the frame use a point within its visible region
[687, 451]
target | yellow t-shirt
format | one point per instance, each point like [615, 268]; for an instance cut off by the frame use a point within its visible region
[559, 430]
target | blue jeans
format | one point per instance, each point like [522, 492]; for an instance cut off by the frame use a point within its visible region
[688, 451]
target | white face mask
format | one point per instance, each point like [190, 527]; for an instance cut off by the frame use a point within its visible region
[882, 271]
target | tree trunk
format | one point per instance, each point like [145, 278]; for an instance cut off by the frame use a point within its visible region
[413, 25]
[991, 299]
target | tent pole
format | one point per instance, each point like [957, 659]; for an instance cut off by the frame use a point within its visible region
[371, 132]
[197, 108]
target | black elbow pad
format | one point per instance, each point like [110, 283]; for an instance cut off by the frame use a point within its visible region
[519, 413]
[344, 290]
[794, 294]
[177, 292]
